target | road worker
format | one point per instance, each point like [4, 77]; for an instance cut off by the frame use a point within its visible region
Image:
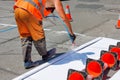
[29, 15]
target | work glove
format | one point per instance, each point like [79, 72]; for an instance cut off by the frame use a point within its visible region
[73, 37]
[51, 9]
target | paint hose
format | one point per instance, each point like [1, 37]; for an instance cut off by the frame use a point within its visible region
[73, 43]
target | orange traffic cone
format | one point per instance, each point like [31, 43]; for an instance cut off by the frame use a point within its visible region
[94, 68]
[68, 15]
[76, 75]
[116, 50]
[118, 23]
[109, 58]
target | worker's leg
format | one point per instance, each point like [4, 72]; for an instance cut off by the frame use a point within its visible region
[25, 36]
[26, 48]
[39, 39]
[37, 33]
[40, 45]
[26, 40]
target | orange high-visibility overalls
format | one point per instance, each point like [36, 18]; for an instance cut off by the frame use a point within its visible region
[29, 20]
[28, 16]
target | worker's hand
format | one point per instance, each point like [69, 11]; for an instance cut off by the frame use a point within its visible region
[51, 9]
[73, 37]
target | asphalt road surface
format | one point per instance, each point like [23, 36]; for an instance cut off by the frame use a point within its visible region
[91, 19]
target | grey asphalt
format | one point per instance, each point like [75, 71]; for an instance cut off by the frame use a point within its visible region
[91, 19]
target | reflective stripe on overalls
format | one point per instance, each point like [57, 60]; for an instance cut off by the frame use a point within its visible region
[38, 7]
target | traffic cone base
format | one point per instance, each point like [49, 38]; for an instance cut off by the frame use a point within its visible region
[118, 44]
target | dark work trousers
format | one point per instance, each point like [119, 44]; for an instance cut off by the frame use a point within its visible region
[26, 48]
[40, 46]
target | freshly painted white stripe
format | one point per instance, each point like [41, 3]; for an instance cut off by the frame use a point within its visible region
[60, 32]
[58, 59]
[7, 24]
[116, 76]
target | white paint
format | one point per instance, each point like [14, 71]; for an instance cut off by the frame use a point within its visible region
[116, 76]
[57, 68]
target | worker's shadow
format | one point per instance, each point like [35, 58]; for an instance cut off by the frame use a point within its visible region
[72, 57]
[75, 56]
[40, 62]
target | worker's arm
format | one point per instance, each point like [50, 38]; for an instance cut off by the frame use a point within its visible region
[60, 10]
